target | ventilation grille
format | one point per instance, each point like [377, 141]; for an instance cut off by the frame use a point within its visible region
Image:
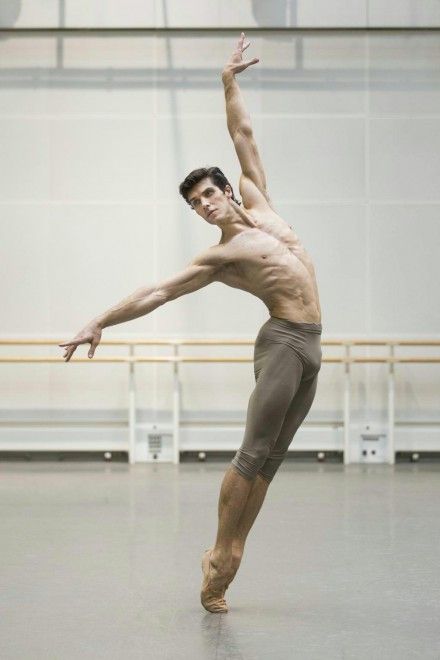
[155, 442]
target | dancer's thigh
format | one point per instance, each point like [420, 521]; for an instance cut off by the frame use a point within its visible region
[296, 413]
[276, 386]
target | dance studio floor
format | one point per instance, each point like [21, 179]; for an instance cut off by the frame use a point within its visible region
[102, 560]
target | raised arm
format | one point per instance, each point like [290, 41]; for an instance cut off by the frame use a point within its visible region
[253, 189]
[199, 273]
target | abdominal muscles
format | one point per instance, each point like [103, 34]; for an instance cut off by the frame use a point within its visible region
[273, 273]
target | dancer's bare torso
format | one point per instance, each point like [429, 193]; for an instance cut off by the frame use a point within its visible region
[270, 262]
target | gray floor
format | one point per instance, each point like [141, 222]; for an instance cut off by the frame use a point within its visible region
[102, 560]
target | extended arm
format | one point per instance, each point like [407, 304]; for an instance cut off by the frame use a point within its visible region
[200, 272]
[253, 179]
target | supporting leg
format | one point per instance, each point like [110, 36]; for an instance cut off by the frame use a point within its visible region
[233, 498]
[247, 518]
[252, 508]
[217, 562]
[278, 380]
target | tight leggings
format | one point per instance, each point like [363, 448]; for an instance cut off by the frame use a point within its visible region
[287, 359]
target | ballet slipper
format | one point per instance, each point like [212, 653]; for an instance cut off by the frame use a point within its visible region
[228, 579]
[211, 597]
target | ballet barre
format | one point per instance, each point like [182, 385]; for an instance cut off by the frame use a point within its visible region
[347, 360]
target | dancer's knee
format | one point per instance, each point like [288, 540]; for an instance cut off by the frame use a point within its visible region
[271, 465]
[249, 462]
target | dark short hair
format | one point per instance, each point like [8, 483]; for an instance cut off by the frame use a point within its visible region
[214, 173]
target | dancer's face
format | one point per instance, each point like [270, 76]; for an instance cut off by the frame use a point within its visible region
[209, 201]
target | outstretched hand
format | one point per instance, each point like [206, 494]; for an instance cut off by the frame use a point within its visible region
[236, 64]
[91, 334]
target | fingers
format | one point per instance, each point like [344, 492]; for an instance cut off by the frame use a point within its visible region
[241, 43]
[69, 352]
[69, 349]
[92, 350]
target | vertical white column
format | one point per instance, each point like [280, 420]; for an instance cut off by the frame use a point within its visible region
[131, 411]
[347, 407]
[391, 452]
[176, 408]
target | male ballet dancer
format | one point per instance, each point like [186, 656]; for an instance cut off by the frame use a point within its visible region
[259, 253]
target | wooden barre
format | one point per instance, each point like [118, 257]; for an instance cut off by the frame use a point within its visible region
[221, 342]
[173, 358]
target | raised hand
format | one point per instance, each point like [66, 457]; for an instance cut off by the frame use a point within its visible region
[236, 64]
[91, 334]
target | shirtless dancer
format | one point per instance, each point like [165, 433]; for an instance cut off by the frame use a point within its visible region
[259, 253]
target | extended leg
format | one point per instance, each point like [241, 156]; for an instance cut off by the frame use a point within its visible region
[295, 416]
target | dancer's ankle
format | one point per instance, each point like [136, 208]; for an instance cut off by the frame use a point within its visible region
[237, 548]
[221, 557]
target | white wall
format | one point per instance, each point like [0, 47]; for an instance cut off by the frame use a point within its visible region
[98, 131]
[219, 13]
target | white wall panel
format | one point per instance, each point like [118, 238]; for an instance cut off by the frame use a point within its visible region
[338, 13]
[21, 51]
[417, 390]
[328, 233]
[404, 268]
[98, 255]
[109, 51]
[174, 13]
[125, 150]
[252, 13]
[339, 53]
[26, 292]
[249, 13]
[84, 387]
[107, 74]
[29, 13]
[322, 158]
[24, 385]
[218, 386]
[311, 74]
[404, 13]
[52, 159]
[405, 158]
[404, 75]
[111, 13]
[24, 168]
